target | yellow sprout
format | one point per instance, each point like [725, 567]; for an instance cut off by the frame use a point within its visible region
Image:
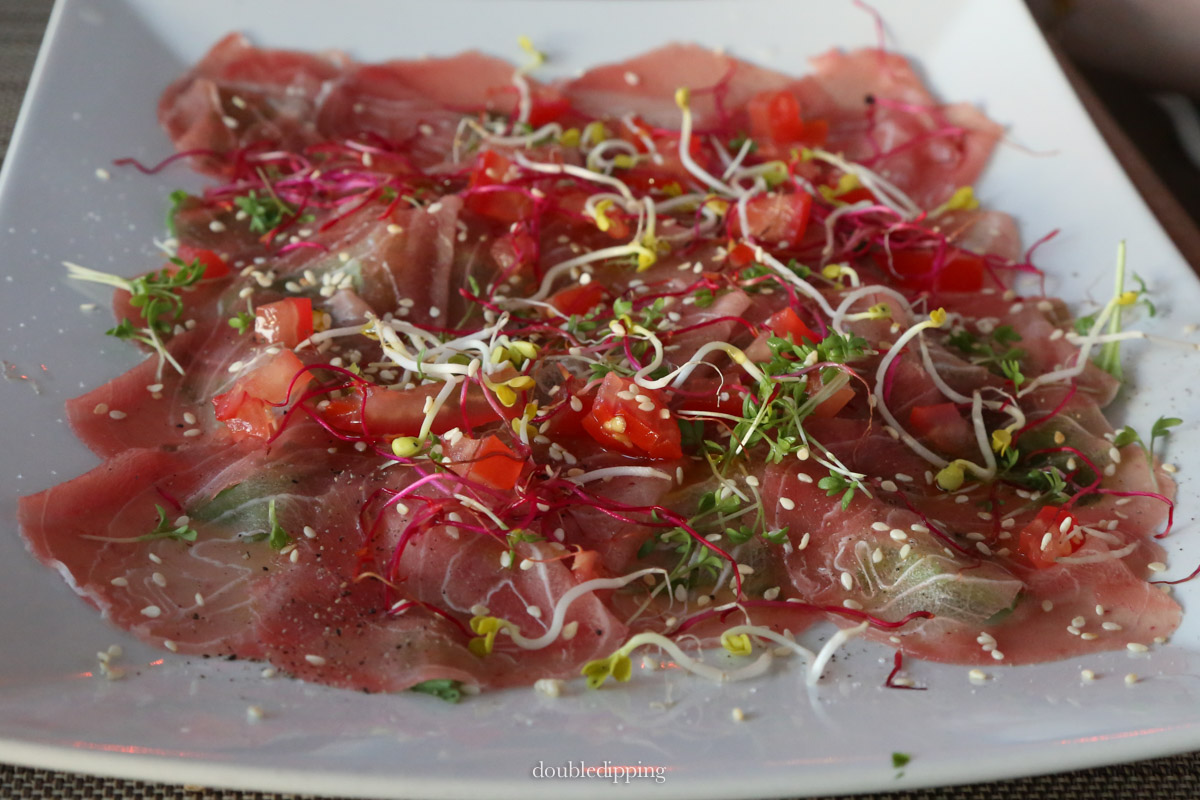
[846, 183]
[600, 213]
[775, 174]
[486, 629]
[527, 45]
[1127, 298]
[595, 132]
[738, 644]
[672, 189]
[718, 205]
[1001, 440]
[938, 317]
[832, 271]
[624, 160]
[569, 138]
[963, 199]
[951, 477]
[617, 666]
[683, 96]
[405, 446]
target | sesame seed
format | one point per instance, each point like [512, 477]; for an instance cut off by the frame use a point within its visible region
[738, 715]
[192, 432]
[101, 408]
[434, 312]
[1136, 647]
[199, 598]
[853, 605]
[983, 548]
[114, 414]
[159, 578]
[122, 582]
[977, 676]
[904, 551]
[154, 557]
[962, 498]
[917, 527]
[787, 503]
[569, 630]
[771, 594]
[900, 476]
[576, 404]
[1059, 437]
[1047, 605]
[803, 541]
[879, 526]
[1156, 566]
[877, 556]
[188, 417]
[804, 477]
[254, 713]
[170, 645]
[888, 486]
[152, 612]
[847, 581]
[1071, 629]
[316, 661]
[1087, 637]
[1131, 679]
[1079, 622]
[1087, 675]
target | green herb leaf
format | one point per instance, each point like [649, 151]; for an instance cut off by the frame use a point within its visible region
[265, 213]
[278, 538]
[900, 759]
[176, 199]
[244, 321]
[441, 688]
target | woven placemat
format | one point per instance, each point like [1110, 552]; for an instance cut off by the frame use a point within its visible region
[22, 23]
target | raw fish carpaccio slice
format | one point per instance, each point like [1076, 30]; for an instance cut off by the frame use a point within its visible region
[571, 378]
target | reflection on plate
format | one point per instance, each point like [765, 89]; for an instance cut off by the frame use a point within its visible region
[93, 99]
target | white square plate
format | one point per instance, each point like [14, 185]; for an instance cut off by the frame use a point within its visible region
[93, 99]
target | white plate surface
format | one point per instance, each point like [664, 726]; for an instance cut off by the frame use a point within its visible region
[93, 99]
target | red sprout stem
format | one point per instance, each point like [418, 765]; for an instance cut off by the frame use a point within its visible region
[897, 665]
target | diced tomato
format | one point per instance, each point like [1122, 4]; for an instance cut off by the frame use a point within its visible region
[961, 271]
[515, 249]
[548, 105]
[488, 461]
[578, 299]
[787, 323]
[629, 424]
[396, 412]
[740, 255]
[833, 404]
[287, 322]
[816, 131]
[943, 427]
[1050, 520]
[214, 265]
[857, 195]
[503, 205]
[775, 116]
[774, 217]
[250, 407]
[711, 394]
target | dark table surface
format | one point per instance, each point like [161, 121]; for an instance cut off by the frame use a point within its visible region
[22, 23]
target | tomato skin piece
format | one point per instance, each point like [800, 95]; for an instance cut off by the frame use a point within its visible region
[502, 205]
[740, 255]
[214, 265]
[1049, 520]
[619, 423]
[250, 407]
[942, 426]
[578, 299]
[775, 217]
[396, 412]
[787, 323]
[287, 322]
[775, 116]
[962, 270]
[488, 461]
[833, 404]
